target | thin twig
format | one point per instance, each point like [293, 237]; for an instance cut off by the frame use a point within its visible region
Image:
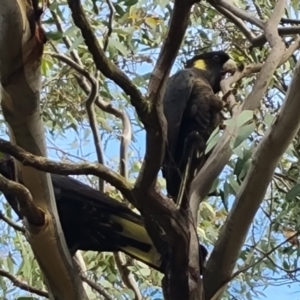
[93, 123]
[112, 12]
[11, 223]
[65, 38]
[99, 289]
[126, 132]
[238, 16]
[276, 265]
[104, 65]
[239, 12]
[120, 258]
[23, 286]
[246, 268]
[93, 94]
[126, 275]
[235, 20]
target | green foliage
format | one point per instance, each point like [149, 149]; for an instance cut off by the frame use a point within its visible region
[139, 28]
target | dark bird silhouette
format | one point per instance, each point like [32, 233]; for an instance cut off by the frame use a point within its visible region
[192, 111]
[93, 221]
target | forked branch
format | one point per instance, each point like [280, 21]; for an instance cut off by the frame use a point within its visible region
[43, 164]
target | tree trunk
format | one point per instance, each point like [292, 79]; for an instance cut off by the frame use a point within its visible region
[21, 48]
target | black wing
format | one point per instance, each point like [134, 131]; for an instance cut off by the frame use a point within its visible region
[192, 112]
[93, 221]
[178, 92]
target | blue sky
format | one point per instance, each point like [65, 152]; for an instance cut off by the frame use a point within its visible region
[112, 153]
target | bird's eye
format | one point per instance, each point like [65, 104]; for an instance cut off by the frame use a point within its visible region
[216, 58]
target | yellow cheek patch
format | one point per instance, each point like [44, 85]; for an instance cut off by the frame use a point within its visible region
[200, 64]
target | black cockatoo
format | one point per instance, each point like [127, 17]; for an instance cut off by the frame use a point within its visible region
[93, 221]
[192, 111]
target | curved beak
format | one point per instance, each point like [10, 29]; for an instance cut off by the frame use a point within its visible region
[229, 67]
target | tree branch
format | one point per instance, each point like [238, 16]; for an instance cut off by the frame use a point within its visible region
[65, 38]
[282, 31]
[110, 23]
[235, 20]
[11, 223]
[222, 152]
[93, 95]
[126, 275]
[120, 258]
[27, 206]
[107, 68]
[20, 68]
[253, 188]
[235, 10]
[156, 132]
[237, 15]
[43, 164]
[99, 289]
[176, 225]
[23, 286]
[126, 133]
[246, 268]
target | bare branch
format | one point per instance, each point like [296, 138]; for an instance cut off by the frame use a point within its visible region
[99, 289]
[65, 38]
[112, 12]
[221, 153]
[282, 31]
[27, 207]
[11, 223]
[107, 107]
[151, 114]
[238, 16]
[103, 64]
[271, 25]
[246, 268]
[235, 20]
[120, 258]
[93, 124]
[235, 10]
[46, 165]
[126, 275]
[156, 132]
[126, 132]
[20, 64]
[253, 188]
[93, 94]
[23, 286]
